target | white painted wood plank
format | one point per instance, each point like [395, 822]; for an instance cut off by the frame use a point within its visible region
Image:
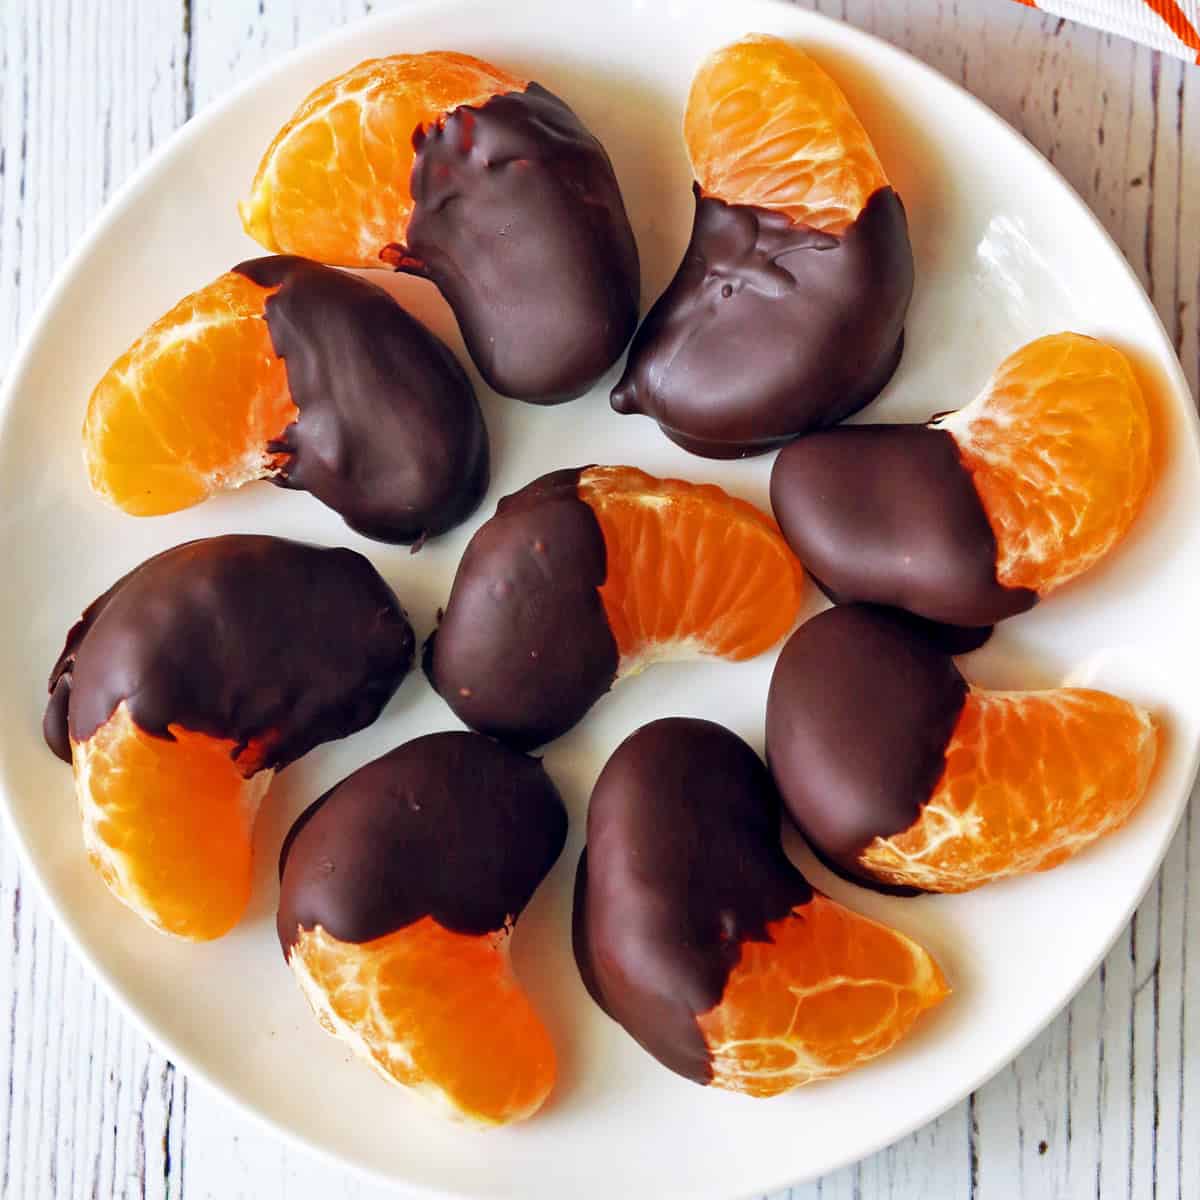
[1088, 1089]
[231, 41]
[85, 92]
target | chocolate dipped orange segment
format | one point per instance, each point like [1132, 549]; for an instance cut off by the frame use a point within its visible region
[286, 370]
[695, 932]
[975, 516]
[334, 183]
[399, 891]
[444, 166]
[190, 682]
[901, 774]
[589, 575]
[787, 311]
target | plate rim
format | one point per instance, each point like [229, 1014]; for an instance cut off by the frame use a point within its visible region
[177, 143]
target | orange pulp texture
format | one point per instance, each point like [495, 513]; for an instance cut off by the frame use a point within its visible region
[168, 824]
[1031, 778]
[1058, 445]
[829, 991]
[334, 183]
[766, 126]
[439, 1012]
[190, 407]
[691, 570]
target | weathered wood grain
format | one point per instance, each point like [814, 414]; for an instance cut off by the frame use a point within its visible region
[85, 92]
[1105, 1104]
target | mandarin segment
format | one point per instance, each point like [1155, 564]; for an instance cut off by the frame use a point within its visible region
[1031, 779]
[586, 576]
[1058, 445]
[290, 370]
[192, 406]
[168, 824]
[766, 126]
[334, 183]
[436, 1011]
[887, 514]
[973, 517]
[695, 932]
[828, 991]
[692, 571]
[902, 775]
[786, 313]
[399, 890]
[446, 167]
[182, 688]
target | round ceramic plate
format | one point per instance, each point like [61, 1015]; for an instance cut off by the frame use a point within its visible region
[998, 263]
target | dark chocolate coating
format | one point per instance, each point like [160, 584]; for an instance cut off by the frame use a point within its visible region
[519, 222]
[524, 647]
[684, 865]
[389, 433]
[450, 826]
[771, 329]
[888, 514]
[579, 939]
[239, 637]
[954, 639]
[860, 711]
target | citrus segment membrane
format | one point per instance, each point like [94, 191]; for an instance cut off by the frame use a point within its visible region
[1058, 444]
[830, 991]
[168, 824]
[692, 571]
[192, 406]
[766, 126]
[1031, 779]
[436, 1011]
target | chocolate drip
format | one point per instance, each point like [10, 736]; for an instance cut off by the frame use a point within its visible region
[771, 329]
[684, 865]
[241, 637]
[450, 826]
[389, 433]
[888, 514]
[519, 221]
[524, 648]
[859, 714]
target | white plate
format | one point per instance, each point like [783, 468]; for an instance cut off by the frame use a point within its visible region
[1005, 251]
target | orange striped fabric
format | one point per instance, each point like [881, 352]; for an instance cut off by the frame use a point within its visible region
[1172, 26]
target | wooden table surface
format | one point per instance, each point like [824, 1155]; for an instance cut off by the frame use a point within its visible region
[1105, 1104]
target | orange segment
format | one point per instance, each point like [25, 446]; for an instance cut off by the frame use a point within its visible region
[1058, 445]
[190, 407]
[766, 126]
[436, 1011]
[692, 571]
[334, 183]
[830, 991]
[1031, 778]
[168, 824]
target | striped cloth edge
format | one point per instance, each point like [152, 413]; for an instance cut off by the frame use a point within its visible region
[1172, 26]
